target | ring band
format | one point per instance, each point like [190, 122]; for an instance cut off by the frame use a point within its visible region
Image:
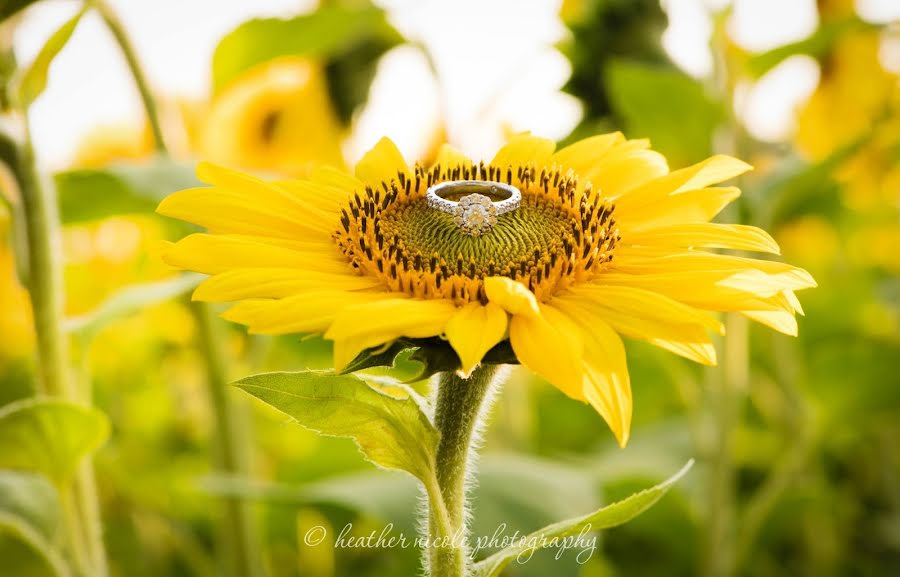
[474, 204]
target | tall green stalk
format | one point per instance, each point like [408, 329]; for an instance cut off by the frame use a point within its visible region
[459, 412]
[729, 392]
[240, 539]
[727, 400]
[82, 512]
[137, 72]
[239, 547]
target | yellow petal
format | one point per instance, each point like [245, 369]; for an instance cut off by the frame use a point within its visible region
[258, 190]
[700, 205]
[631, 302]
[522, 149]
[246, 212]
[382, 163]
[711, 171]
[245, 283]
[763, 278]
[372, 324]
[311, 312]
[707, 235]
[549, 345]
[625, 167]
[782, 321]
[793, 301]
[584, 155]
[336, 179]
[327, 199]
[671, 325]
[474, 330]
[730, 286]
[512, 296]
[450, 156]
[607, 385]
[213, 254]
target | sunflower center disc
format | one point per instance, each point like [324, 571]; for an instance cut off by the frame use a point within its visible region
[560, 233]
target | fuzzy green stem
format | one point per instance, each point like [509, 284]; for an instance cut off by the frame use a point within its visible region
[459, 410]
[76, 547]
[239, 549]
[727, 402]
[240, 553]
[734, 376]
[45, 274]
[82, 516]
[137, 72]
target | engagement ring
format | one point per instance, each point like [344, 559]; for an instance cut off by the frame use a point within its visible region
[474, 204]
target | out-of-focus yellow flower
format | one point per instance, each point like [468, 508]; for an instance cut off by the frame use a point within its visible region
[103, 257]
[809, 240]
[111, 143]
[573, 10]
[16, 327]
[277, 117]
[856, 97]
[876, 245]
[366, 259]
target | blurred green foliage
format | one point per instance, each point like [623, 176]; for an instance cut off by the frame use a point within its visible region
[348, 36]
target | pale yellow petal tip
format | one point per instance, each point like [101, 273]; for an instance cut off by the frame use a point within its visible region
[622, 436]
[738, 166]
[210, 172]
[165, 206]
[162, 250]
[207, 291]
[341, 356]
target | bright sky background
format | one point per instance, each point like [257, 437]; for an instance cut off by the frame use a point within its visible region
[498, 71]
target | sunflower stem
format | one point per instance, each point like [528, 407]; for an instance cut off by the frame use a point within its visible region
[239, 539]
[111, 19]
[45, 284]
[239, 543]
[460, 408]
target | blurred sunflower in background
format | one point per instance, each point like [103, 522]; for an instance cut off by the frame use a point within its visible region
[15, 306]
[605, 243]
[275, 117]
[857, 102]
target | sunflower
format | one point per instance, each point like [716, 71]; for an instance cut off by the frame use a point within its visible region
[606, 242]
[277, 117]
[857, 100]
[15, 306]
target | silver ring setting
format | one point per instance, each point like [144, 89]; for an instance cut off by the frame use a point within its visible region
[474, 204]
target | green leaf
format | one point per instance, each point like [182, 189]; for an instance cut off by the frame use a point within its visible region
[34, 80]
[331, 31]
[816, 45]
[412, 360]
[93, 194]
[25, 553]
[49, 436]
[504, 493]
[378, 356]
[391, 431]
[130, 300]
[682, 127]
[384, 495]
[31, 498]
[610, 516]
[797, 187]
